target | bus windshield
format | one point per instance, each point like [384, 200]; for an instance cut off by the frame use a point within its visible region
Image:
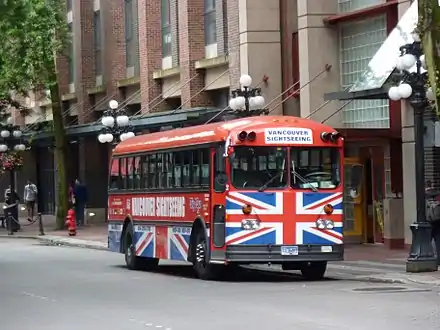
[314, 167]
[255, 167]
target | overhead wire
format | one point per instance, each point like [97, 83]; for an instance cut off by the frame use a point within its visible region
[326, 69]
[226, 108]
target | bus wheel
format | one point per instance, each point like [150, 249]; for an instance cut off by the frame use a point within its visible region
[203, 269]
[314, 271]
[132, 261]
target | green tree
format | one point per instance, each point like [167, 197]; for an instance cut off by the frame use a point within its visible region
[33, 34]
[429, 30]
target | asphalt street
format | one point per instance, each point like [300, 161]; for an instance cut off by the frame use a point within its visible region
[50, 287]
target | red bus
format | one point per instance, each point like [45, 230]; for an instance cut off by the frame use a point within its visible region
[264, 189]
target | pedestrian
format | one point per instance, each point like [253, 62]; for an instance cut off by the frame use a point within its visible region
[11, 209]
[80, 196]
[71, 195]
[30, 198]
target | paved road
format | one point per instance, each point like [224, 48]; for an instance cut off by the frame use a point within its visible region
[48, 287]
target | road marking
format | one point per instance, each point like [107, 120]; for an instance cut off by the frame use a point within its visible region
[33, 295]
[147, 324]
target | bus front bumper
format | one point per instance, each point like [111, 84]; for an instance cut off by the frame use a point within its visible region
[273, 254]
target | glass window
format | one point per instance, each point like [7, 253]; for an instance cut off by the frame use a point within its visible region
[137, 173]
[160, 168]
[123, 170]
[317, 167]
[153, 172]
[359, 42]
[205, 154]
[130, 173]
[166, 28]
[178, 169]
[249, 173]
[98, 39]
[195, 169]
[71, 54]
[145, 171]
[210, 23]
[186, 165]
[114, 182]
[128, 16]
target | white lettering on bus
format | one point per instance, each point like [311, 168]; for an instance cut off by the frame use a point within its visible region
[286, 135]
[172, 207]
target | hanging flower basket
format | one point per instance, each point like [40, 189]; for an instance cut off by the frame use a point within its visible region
[11, 160]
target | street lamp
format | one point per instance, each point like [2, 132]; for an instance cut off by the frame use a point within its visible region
[116, 124]
[247, 101]
[10, 146]
[412, 88]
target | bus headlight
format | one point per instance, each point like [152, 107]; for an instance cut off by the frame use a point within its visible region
[324, 224]
[250, 224]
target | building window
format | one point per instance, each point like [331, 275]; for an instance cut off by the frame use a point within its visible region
[130, 26]
[166, 28]
[98, 42]
[350, 5]
[70, 54]
[210, 23]
[359, 41]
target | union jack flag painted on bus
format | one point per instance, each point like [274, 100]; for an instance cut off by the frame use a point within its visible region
[179, 242]
[307, 233]
[261, 202]
[313, 203]
[145, 241]
[268, 233]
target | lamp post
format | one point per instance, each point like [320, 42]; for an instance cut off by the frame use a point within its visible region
[412, 87]
[247, 101]
[116, 125]
[10, 141]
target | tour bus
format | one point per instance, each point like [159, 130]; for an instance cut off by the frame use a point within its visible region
[255, 190]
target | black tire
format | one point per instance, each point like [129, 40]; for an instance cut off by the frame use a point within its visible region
[314, 271]
[132, 261]
[200, 253]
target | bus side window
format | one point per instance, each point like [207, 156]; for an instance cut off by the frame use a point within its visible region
[130, 173]
[137, 173]
[220, 178]
[205, 166]
[124, 170]
[178, 162]
[145, 171]
[154, 175]
[195, 168]
[114, 175]
[187, 158]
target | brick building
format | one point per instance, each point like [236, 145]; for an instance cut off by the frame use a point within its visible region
[174, 62]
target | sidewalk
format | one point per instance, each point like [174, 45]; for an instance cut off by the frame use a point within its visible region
[368, 263]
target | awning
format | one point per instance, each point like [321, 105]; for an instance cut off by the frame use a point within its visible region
[378, 77]
[156, 119]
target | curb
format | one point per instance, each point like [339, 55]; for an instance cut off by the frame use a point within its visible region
[72, 243]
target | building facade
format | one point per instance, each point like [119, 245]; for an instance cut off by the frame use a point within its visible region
[167, 57]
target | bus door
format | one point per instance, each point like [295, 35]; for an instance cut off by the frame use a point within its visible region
[218, 200]
[354, 211]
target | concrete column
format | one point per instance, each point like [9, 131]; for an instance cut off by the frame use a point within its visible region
[259, 31]
[318, 46]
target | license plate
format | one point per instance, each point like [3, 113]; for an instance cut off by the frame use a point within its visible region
[289, 250]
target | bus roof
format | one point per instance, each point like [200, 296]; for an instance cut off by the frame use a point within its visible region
[211, 133]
